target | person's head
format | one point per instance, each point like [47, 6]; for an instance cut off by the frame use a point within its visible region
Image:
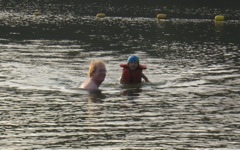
[133, 62]
[97, 70]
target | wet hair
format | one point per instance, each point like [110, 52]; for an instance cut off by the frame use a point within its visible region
[93, 66]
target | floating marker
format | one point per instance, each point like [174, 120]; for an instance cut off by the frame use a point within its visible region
[219, 18]
[37, 13]
[101, 15]
[161, 16]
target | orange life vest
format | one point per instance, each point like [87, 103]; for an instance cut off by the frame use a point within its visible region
[129, 76]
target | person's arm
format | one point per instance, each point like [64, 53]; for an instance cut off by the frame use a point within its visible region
[145, 78]
[122, 79]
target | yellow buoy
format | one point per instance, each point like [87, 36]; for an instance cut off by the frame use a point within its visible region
[37, 13]
[219, 18]
[161, 16]
[219, 24]
[101, 15]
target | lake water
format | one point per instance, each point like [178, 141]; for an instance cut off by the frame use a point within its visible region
[193, 65]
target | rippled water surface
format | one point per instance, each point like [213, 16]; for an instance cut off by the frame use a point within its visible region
[191, 102]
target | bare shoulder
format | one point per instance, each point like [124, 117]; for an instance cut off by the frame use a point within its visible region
[89, 85]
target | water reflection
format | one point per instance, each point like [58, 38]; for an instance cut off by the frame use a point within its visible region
[193, 64]
[132, 92]
[131, 89]
[96, 96]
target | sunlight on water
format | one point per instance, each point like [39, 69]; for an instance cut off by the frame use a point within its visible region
[191, 102]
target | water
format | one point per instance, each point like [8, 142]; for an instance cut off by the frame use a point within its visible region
[193, 65]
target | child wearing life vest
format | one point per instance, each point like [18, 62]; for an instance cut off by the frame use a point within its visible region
[132, 71]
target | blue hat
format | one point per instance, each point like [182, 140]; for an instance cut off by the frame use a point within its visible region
[133, 58]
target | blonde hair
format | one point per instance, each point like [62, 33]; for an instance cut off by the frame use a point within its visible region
[93, 66]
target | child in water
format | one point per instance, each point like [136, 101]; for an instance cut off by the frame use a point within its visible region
[132, 71]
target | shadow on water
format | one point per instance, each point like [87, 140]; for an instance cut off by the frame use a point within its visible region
[131, 89]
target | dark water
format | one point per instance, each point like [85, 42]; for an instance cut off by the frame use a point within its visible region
[192, 101]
